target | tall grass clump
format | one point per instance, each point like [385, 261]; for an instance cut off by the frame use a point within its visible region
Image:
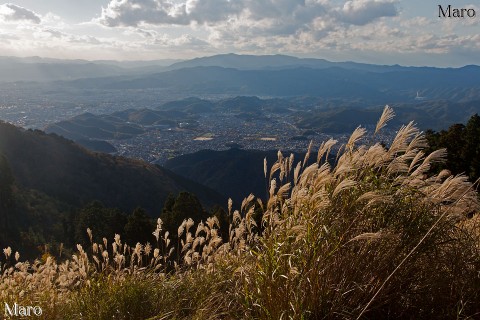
[371, 234]
[375, 235]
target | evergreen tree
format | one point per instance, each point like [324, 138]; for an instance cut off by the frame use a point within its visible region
[104, 222]
[463, 146]
[6, 193]
[185, 206]
[139, 228]
[472, 147]
[169, 203]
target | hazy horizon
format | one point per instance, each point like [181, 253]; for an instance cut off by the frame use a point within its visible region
[367, 31]
[170, 61]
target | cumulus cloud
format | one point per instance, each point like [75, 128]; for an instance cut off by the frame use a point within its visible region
[13, 13]
[136, 12]
[253, 24]
[285, 16]
[362, 12]
[208, 12]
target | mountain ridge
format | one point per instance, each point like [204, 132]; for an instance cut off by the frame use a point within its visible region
[378, 87]
[49, 69]
[276, 61]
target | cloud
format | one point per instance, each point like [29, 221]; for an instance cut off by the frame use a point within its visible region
[362, 12]
[12, 12]
[144, 33]
[8, 36]
[285, 16]
[52, 33]
[206, 12]
[254, 24]
[364, 30]
[136, 12]
[57, 37]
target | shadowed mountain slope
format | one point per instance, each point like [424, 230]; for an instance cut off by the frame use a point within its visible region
[63, 170]
[235, 173]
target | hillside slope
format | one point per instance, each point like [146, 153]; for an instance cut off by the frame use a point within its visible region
[65, 171]
[235, 173]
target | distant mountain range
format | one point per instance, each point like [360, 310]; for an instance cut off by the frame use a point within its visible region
[275, 62]
[14, 69]
[436, 115]
[276, 75]
[47, 69]
[460, 84]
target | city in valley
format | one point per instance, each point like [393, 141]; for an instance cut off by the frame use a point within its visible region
[264, 123]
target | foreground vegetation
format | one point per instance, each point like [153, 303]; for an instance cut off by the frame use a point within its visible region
[376, 236]
[463, 145]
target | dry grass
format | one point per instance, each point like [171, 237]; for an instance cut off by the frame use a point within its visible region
[374, 236]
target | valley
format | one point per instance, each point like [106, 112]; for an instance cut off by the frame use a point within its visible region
[132, 136]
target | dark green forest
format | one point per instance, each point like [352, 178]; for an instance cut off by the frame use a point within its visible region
[36, 224]
[462, 142]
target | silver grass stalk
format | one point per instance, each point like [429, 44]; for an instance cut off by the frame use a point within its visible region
[357, 134]
[265, 166]
[386, 116]
[307, 155]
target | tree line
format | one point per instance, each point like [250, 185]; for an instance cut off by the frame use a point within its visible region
[463, 147]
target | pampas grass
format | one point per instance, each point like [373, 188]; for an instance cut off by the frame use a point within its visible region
[373, 235]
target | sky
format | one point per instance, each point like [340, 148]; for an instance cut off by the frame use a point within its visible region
[405, 32]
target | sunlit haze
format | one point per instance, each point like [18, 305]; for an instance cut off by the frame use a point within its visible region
[405, 32]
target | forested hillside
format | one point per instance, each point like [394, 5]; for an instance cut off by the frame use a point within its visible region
[462, 142]
[46, 180]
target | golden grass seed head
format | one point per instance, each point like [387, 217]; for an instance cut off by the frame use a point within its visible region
[7, 252]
